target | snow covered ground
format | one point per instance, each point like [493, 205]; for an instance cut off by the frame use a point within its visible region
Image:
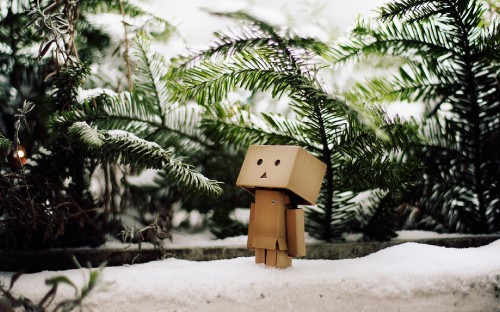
[407, 277]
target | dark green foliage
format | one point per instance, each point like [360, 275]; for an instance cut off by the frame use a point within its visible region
[37, 208]
[21, 74]
[4, 143]
[89, 37]
[452, 64]
[224, 164]
[356, 142]
[133, 126]
[66, 84]
[147, 113]
[47, 202]
[382, 219]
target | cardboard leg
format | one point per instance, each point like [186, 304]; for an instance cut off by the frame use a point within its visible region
[271, 257]
[282, 259]
[260, 255]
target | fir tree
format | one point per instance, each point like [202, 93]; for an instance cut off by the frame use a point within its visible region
[131, 127]
[48, 202]
[38, 209]
[450, 55]
[360, 146]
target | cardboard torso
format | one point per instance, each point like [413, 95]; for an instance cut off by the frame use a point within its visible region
[270, 219]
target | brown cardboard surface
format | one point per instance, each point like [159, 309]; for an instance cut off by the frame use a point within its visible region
[260, 255]
[269, 227]
[264, 242]
[271, 257]
[295, 232]
[251, 227]
[282, 259]
[282, 244]
[271, 173]
[282, 167]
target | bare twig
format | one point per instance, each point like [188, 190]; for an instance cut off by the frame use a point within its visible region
[126, 55]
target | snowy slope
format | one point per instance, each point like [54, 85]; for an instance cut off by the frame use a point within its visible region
[408, 277]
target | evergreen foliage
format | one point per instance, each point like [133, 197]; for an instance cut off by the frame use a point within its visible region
[361, 147]
[129, 120]
[4, 143]
[47, 202]
[147, 113]
[145, 17]
[37, 208]
[451, 63]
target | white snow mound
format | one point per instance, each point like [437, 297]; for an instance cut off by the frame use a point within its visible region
[407, 277]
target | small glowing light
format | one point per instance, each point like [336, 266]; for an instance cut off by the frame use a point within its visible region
[20, 153]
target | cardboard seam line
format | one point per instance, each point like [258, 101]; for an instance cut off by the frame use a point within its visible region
[266, 242]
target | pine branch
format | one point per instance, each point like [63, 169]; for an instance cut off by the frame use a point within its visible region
[91, 138]
[67, 83]
[395, 38]
[126, 111]
[129, 120]
[109, 111]
[251, 37]
[413, 83]
[132, 9]
[410, 9]
[240, 133]
[149, 71]
[339, 219]
[211, 83]
[379, 171]
[4, 142]
[324, 121]
[274, 32]
[487, 44]
[275, 53]
[118, 146]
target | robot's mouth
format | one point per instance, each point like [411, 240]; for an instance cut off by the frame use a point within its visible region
[264, 176]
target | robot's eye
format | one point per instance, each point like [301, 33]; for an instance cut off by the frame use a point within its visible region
[277, 162]
[259, 162]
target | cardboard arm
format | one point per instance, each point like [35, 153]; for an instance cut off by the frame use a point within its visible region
[295, 232]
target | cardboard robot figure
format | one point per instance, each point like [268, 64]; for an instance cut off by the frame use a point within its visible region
[281, 177]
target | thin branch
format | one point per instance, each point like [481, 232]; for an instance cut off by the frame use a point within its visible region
[126, 55]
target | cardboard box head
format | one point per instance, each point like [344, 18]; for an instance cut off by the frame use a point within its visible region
[282, 167]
